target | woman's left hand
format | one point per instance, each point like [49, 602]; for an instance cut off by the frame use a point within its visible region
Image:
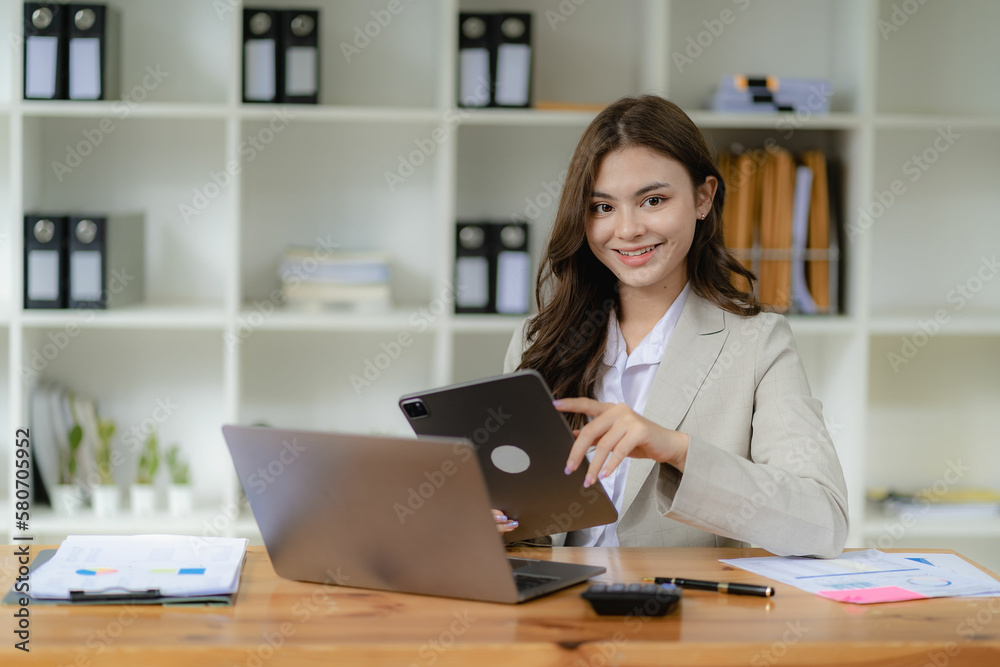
[617, 431]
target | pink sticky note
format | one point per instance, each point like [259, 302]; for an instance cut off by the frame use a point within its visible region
[870, 595]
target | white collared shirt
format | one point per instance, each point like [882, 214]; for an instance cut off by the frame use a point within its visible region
[628, 378]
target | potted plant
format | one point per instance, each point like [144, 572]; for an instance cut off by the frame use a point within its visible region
[107, 499]
[66, 499]
[142, 495]
[179, 496]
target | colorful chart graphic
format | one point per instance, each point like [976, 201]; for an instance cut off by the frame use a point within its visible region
[183, 570]
[929, 581]
[97, 571]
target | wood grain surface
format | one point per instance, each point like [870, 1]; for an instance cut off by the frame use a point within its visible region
[281, 622]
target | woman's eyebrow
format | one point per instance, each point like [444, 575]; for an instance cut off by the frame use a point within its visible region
[638, 193]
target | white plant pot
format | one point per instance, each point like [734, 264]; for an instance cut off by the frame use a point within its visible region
[180, 499]
[142, 498]
[67, 500]
[107, 500]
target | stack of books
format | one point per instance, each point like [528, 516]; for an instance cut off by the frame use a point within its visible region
[744, 93]
[356, 281]
[777, 222]
[948, 504]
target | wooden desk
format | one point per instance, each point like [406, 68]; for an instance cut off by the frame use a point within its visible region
[279, 622]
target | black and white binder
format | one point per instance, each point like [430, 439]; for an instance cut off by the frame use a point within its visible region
[93, 52]
[45, 263]
[475, 268]
[261, 55]
[513, 268]
[512, 39]
[300, 55]
[475, 58]
[106, 260]
[44, 51]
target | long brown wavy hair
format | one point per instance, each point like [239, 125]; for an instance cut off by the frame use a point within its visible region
[575, 292]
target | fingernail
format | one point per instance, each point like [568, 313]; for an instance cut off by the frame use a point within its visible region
[587, 482]
[604, 473]
[568, 470]
[512, 524]
[501, 518]
[557, 403]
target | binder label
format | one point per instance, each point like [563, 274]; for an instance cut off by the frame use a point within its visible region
[85, 68]
[43, 275]
[85, 276]
[474, 68]
[513, 68]
[472, 274]
[300, 70]
[512, 282]
[40, 63]
[260, 74]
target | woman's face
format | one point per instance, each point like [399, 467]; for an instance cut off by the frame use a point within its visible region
[642, 218]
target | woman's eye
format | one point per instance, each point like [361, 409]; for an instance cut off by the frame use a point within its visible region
[654, 201]
[602, 208]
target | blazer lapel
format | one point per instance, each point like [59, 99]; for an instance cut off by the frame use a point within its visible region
[692, 350]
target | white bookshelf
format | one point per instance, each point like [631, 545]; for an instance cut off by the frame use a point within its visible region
[208, 339]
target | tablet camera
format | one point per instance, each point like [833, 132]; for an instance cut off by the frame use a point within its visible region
[415, 409]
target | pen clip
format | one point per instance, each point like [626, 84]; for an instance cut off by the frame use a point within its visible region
[123, 595]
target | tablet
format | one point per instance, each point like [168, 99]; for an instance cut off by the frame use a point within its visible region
[522, 443]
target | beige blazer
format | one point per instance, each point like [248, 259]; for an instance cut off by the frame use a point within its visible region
[761, 467]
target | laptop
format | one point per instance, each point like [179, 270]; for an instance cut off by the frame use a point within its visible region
[386, 513]
[522, 443]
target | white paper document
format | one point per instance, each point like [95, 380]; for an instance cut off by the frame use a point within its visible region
[869, 576]
[175, 565]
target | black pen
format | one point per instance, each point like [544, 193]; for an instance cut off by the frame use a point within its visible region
[720, 586]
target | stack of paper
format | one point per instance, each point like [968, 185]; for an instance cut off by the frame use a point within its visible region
[869, 576]
[950, 504]
[174, 566]
[347, 280]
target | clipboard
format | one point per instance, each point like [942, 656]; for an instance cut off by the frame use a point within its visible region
[118, 596]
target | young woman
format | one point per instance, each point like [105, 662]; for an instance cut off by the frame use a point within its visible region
[689, 404]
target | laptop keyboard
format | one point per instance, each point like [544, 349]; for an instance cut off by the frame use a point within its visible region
[527, 581]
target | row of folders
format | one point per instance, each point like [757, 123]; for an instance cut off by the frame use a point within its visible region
[777, 221]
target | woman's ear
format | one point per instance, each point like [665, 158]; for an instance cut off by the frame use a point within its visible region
[705, 195]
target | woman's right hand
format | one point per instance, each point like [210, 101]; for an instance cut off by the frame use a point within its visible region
[504, 525]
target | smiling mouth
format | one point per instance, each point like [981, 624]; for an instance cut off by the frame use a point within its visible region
[636, 253]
